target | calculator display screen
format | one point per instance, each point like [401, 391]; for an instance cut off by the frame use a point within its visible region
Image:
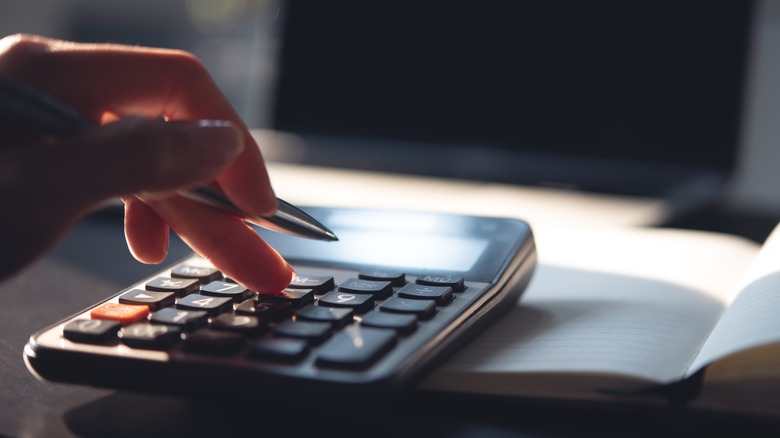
[415, 243]
[393, 250]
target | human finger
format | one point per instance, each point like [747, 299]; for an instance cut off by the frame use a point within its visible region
[228, 243]
[146, 233]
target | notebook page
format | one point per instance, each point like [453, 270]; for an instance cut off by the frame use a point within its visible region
[752, 319]
[633, 302]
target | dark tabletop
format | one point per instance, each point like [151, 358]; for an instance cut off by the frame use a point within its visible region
[92, 262]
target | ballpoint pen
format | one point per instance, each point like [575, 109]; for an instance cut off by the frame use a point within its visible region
[28, 109]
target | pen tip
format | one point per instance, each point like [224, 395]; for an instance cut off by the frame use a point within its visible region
[329, 235]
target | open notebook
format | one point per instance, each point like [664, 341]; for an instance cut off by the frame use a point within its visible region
[637, 315]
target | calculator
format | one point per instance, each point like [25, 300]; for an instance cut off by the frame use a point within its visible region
[365, 316]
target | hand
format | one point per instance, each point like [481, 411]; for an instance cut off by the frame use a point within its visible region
[49, 184]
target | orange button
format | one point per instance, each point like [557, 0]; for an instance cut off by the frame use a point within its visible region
[124, 313]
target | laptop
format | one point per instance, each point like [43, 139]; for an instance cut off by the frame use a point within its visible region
[640, 98]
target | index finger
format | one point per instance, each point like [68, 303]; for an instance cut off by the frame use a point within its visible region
[97, 79]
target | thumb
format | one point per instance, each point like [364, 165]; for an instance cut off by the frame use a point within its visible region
[135, 155]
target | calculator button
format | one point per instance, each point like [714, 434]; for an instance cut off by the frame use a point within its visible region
[91, 331]
[379, 289]
[311, 331]
[179, 286]
[270, 311]
[320, 284]
[286, 349]
[403, 323]
[212, 341]
[296, 297]
[456, 283]
[234, 291]
[395, 278]
[441, 294]
[248, 325]
[423, 309]
[211, 305]
[149, 336]
[155, 300]
[360, 303]
[337, 317]
[185, 319]
[202, 274]
[356, 346]
[122, 313]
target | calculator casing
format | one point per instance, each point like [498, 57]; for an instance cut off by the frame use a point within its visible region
[495, 282]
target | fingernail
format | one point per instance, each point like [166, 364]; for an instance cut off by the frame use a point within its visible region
[214, 142]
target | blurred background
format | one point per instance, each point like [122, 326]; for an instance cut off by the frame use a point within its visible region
[654, 99]
[236, 39]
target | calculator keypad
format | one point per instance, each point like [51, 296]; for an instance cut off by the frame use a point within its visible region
[356, 346]
[184, 319]
[196, 310]
[278, 349]
[423, 309]
[155, 300]
[274, 312]
[91, 331]
[231, 322]
[440, 294]
[379, 289]
[150, 336]
[211, 305]
[122, 313]
[334, 316]
[204, 275]
[296, 297]
[179, 286]
[403, 324]
[213, 342]
[318, 283]
[225, 289]
[360, 303]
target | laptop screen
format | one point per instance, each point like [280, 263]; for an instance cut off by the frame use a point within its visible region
[606, 95]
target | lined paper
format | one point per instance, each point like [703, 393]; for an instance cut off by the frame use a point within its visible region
[633, 303]
[752, 319]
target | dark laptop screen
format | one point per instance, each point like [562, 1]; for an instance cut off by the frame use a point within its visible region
[572, 92]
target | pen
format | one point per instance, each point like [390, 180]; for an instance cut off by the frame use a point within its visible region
[25, 108]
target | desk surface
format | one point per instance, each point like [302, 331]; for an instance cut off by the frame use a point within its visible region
[93, 262]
